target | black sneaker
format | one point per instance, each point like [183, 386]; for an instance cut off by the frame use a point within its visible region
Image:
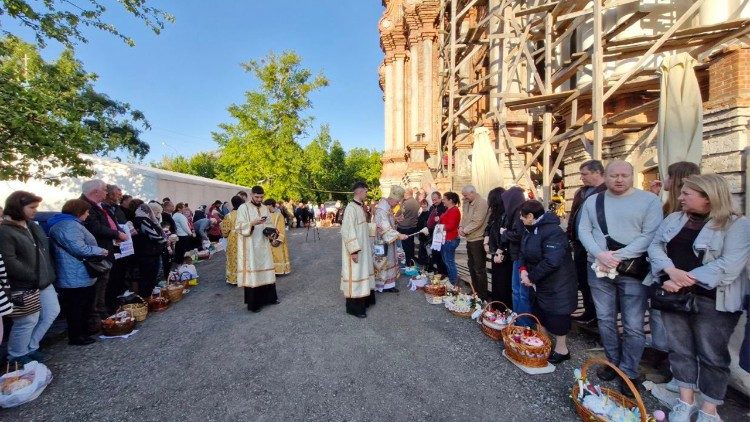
[625, 390]
[558, 358]
[605, 373]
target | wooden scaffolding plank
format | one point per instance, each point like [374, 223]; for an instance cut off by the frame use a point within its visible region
[688, 14]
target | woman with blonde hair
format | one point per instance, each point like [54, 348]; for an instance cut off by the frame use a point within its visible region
[698, 254]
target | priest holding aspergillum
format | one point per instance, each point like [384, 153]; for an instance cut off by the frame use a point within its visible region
[256, 271]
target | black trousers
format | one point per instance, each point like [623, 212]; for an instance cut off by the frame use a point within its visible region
[408, 244]
[423, 255]
[148, 270]
[166, 263]
[75, 304]
[436, 264]
[359, 305]
[580, 258]
[184, 244]
[502, 285]
[477, 261]
[257, 297]
[117, 281]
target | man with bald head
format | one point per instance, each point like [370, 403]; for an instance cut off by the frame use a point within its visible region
[616, 226]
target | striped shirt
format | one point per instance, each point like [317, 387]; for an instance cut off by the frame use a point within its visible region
[5, 306]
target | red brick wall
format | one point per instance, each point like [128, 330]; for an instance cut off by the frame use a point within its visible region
[727, 81]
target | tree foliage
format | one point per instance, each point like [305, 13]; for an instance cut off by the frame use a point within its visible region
[50, 113]
[260, 146]
[330, 170]
[62, 20]
[202, 164]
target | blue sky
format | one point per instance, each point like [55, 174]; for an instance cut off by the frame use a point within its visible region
[184, 79]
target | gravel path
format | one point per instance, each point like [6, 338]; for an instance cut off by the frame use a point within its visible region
[208, 358]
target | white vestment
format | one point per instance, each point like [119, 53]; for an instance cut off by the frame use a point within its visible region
[255, 265]
[357, 278]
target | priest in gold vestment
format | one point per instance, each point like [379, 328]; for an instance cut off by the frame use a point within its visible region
[280, 249]
[357, 272]
[386, 267]
[256, 272]
[229, 233]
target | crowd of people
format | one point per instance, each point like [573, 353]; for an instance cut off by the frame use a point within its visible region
[685, 262]
[81, 260]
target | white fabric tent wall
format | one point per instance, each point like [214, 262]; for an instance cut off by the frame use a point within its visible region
[139, 181]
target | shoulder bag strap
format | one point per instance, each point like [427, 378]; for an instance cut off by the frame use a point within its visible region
[600, 214]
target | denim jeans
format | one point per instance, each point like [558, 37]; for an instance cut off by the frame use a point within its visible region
[699, 348]
[448, 253]
[658, 331]
[521, 295]
[28, 330]
[631, 296]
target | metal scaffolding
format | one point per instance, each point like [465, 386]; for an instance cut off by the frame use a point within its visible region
[509, 40]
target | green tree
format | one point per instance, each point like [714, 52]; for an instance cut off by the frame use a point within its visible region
[260, 146]
[50, 113]
[338, 177]
[315, 156]
[364, 164]
[61, 20]
[202, 164]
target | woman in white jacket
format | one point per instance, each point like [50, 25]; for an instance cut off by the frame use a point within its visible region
[702, 250]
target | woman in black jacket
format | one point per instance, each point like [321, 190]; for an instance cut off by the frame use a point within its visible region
[547, 267]
[30, 272]
[502, 266]
[149, 245]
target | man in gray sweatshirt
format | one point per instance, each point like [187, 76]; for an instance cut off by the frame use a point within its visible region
[632, 217]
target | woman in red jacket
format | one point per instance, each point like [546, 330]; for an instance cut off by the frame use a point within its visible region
[450, 219]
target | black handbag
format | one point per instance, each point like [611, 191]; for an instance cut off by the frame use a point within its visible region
[683, 301]
[96, 265]
[634, 267]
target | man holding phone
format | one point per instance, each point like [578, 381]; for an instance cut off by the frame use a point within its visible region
[256, 271]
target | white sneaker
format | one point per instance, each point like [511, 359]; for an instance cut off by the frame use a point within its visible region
[682, 412]
[705, 417]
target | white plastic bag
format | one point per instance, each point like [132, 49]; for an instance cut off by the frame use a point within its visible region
[40, 377]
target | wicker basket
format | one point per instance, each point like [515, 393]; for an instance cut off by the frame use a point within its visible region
[173, 292]
[460, 314]
[466, 315]
[524, 354]
[493, 333]
[158, 304]
[435, 289]
[139, 310]
[586, 415]
[118, 329]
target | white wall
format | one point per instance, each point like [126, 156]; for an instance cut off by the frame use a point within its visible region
[138, 181]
